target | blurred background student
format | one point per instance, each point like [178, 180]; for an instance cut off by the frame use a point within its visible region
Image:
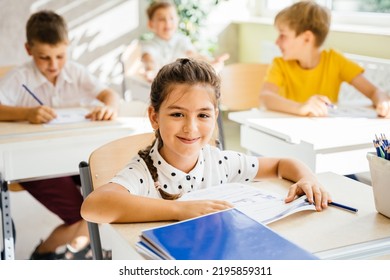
[168, 44]
[306, 79]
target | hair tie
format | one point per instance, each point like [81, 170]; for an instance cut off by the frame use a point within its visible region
[157, 185]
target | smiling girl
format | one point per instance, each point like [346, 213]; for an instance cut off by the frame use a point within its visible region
[183, 113]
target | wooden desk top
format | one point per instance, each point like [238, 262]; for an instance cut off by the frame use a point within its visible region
[20, 131]
[314, 231]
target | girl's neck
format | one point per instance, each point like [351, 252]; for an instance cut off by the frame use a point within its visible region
[184, 164]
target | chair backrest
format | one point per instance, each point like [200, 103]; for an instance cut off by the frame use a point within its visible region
[240, 85]
[106, 161]
[131, 58]
[5, 69]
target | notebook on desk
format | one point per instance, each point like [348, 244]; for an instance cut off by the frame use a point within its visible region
[259, 204]
[70, 115]
[225, 235]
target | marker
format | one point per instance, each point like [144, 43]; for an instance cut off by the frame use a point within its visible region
[32, 94]
[341, 206]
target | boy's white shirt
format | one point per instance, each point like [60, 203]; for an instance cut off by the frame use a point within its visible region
[164, 52]
[75, 87]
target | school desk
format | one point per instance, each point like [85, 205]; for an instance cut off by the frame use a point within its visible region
[330, 234]
[29, 151]
[336, 144]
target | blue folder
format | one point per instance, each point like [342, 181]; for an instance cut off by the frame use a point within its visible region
[225, 235]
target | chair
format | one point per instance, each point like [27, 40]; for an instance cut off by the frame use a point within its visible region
[135, 87]
[104, 163]
[240, 88]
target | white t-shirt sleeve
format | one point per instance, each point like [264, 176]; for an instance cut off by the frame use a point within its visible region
[135, 177]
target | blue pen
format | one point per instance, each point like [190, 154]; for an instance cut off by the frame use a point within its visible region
[32, 94]
[331, 106]
[342, 206]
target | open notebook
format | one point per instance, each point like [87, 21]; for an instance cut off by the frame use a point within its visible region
[261, 205]
[70, 115]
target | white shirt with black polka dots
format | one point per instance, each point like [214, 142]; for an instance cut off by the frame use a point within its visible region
[214, 167]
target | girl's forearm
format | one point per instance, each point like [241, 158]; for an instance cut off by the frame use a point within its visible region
[123, 207]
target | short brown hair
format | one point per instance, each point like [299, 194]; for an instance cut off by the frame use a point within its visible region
[155, 5]
[306, 15]
[46, 27]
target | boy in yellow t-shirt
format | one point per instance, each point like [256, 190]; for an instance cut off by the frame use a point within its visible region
[306, 79]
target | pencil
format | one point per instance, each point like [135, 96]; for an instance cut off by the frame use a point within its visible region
[32, 94]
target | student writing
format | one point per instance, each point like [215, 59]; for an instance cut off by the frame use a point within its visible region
[307, 79]
[55, 82]
[183, 113]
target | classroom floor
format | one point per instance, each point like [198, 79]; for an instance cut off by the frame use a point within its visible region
[34, 222]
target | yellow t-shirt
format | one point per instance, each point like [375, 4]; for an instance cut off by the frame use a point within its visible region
[300, 84]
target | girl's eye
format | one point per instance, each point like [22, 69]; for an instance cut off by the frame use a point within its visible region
[204, 116]
[177, 115]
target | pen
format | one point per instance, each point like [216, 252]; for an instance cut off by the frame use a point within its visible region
[331, 106]
[342, 206]
[32, 94]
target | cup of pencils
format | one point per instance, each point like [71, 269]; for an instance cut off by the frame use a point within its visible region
[379, 162]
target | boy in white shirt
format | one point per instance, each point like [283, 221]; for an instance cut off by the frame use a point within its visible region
[53, 82]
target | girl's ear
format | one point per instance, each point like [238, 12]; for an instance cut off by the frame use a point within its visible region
[153, 117]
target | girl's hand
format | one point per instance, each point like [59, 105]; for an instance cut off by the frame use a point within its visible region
[314, 191]
[102, 113]
[194, 208]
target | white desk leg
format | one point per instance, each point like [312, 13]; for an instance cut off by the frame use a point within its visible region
[8, 233]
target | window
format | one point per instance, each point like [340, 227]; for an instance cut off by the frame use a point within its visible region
[356, 12]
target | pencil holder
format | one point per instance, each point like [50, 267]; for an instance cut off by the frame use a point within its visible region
[380, 174]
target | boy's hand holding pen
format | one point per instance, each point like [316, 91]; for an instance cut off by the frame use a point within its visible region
[40, 114]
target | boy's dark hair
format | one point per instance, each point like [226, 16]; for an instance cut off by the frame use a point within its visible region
[155, 5]
[184, 71]
[306, 15]
[46, 27]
